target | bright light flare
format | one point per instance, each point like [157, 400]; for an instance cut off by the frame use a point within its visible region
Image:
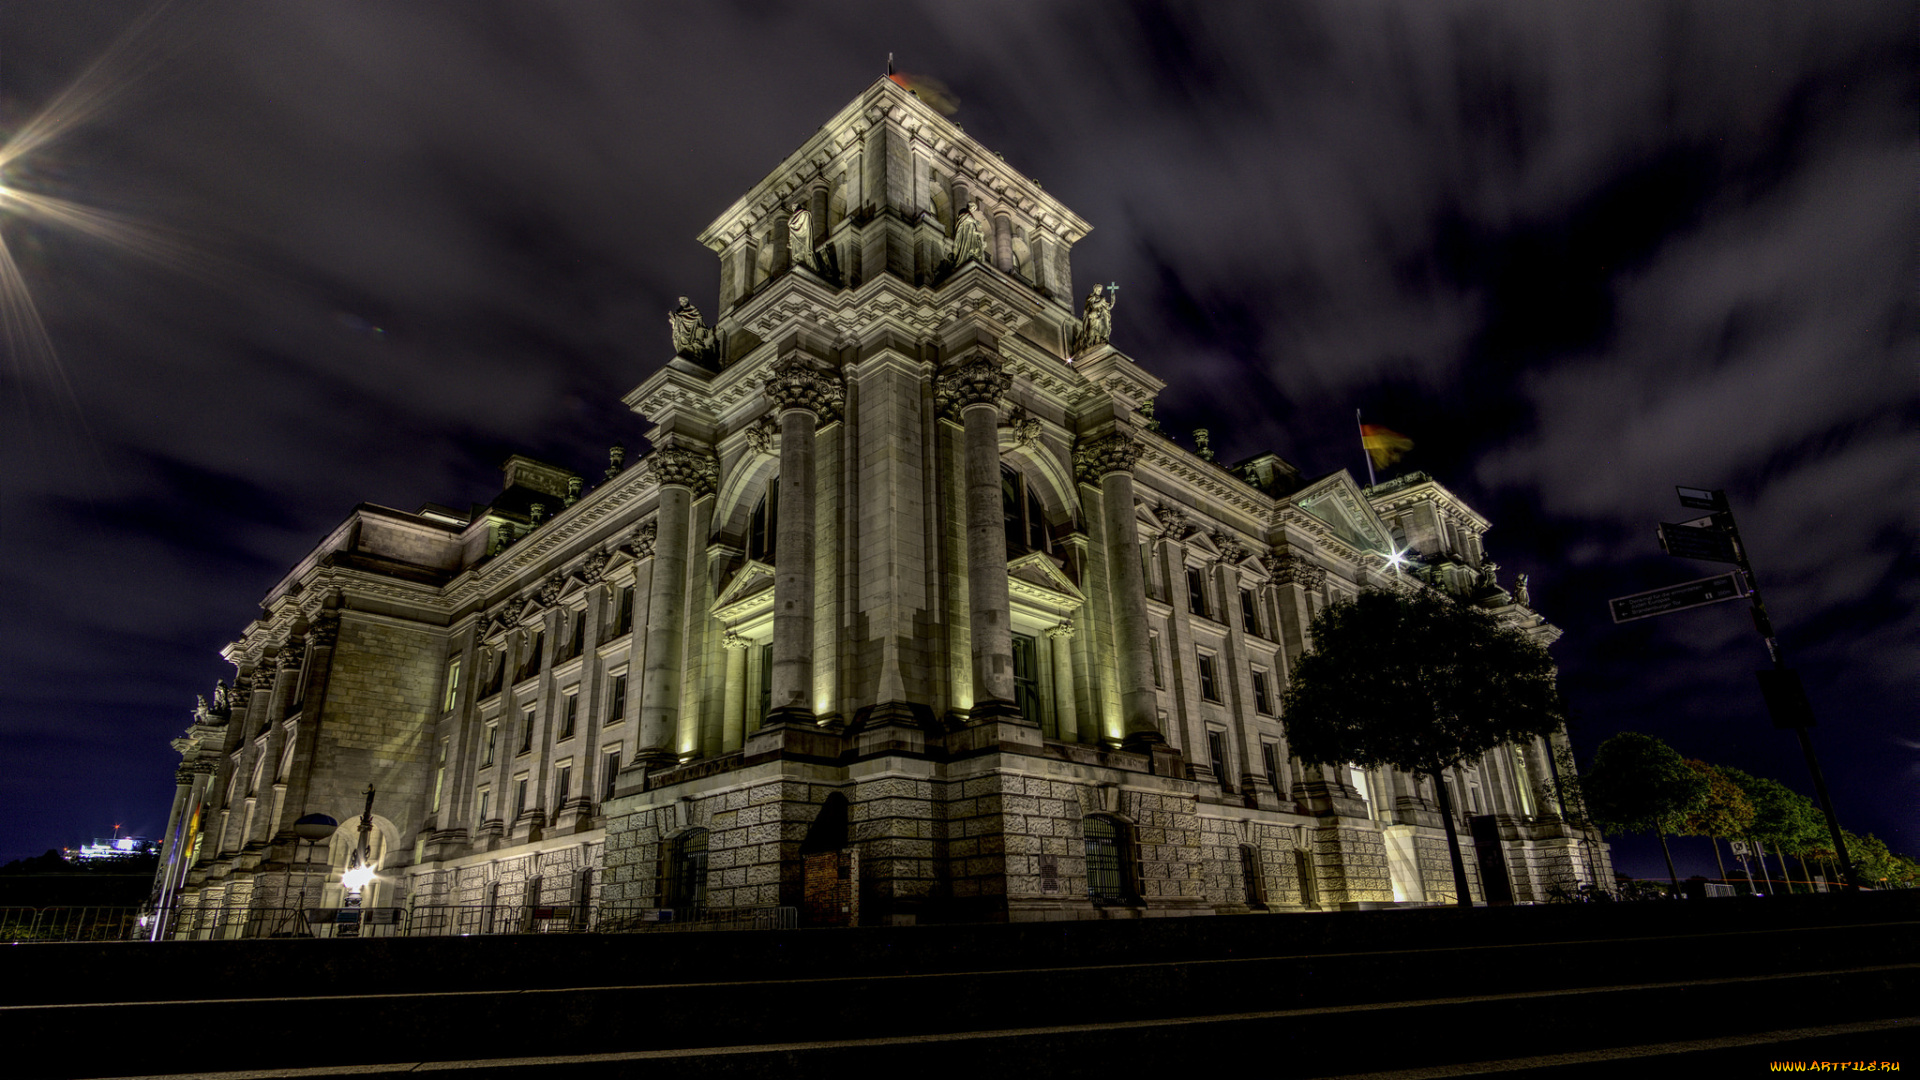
[357, 878]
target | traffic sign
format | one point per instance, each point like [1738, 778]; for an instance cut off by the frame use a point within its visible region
[1691, 542]
[1702, 498]
[1680, 597]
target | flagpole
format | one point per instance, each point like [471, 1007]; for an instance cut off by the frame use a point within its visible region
[1363, 446]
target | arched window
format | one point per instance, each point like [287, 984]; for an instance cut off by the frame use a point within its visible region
[1106, 845]
[764, 524]
[1026, 517]
[687, 872]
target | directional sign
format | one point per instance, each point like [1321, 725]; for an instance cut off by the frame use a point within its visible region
[1689, 542]
[1692, 594]
[1702, 498]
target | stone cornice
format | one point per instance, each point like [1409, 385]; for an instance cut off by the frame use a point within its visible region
[1431, 491]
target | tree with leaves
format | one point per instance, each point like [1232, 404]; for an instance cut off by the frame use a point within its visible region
[1418, 682]
[1726, 812]
[1782, 817]
[1639, 784]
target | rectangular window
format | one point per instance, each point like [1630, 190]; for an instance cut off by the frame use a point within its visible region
[1196, 590]
[766, 679]
[440, 775]
[623, 612]
[526, 731]
[562, 785]
[1270, 758]
[1026, 679]
[519, 797]
[1262, 703]
[1209, 679]
[493, 735]
[617, 703]
[497, 675]
[486, 805]
[1249, 613]
[571, 716]
[611, 767]
[1153, 646]
[1146, 568]
[579, 643]
[1217, 757]
[453, 685]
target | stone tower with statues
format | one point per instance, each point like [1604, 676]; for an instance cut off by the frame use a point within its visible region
[909, 614]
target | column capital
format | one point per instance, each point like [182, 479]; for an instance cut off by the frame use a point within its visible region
[679, 463]
[1094, 459]
[262, 678]
[1289, 569]
[797, 384]
[975, 381]
[1064, 630]
[735, 641]
[1231, 550]
[322, 632]
[291, 653]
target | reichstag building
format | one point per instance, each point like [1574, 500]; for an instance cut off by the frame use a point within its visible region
[910, 614]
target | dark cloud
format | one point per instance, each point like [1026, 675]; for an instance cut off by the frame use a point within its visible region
[1578, 252]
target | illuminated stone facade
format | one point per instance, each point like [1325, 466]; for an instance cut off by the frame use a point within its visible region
[910, 580]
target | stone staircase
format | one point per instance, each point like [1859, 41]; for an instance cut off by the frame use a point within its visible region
[1732, 982]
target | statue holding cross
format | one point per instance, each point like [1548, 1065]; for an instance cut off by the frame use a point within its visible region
[1096, 318]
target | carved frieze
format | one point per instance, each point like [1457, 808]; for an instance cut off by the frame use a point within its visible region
[761, 435]
[1231, 550]
[262, 679]
[1093, 459]
[1025, 426]
[291, 654]
[550, 589]
[1174, 526]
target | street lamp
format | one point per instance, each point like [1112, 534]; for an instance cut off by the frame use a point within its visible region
[359, 873]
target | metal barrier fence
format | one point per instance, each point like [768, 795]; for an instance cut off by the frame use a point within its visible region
[26, 924]
[462, 920]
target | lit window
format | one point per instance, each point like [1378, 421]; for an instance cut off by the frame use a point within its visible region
[453, 685]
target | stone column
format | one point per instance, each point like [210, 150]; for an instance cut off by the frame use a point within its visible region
[1065, 713]
[802, 397]
[733, 723]
[974, 389]
[682, 473]
[1003, 242]
[1108, 461]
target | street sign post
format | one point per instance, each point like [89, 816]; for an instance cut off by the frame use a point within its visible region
[1691, 594]
[1692, 542]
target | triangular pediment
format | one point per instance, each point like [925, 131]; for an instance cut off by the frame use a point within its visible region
[753, 578]
[1038, 568]
[1337, 502]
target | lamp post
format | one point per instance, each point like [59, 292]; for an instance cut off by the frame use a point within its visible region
[359, 873]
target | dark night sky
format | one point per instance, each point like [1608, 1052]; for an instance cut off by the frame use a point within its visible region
[1578, 252]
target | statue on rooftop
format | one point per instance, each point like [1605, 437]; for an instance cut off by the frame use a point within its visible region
[692, 337]
[969, 234]
[1096, 319]
[1521, 595]
[800, 236]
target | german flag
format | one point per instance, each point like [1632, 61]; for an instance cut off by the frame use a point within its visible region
[1383, 445]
